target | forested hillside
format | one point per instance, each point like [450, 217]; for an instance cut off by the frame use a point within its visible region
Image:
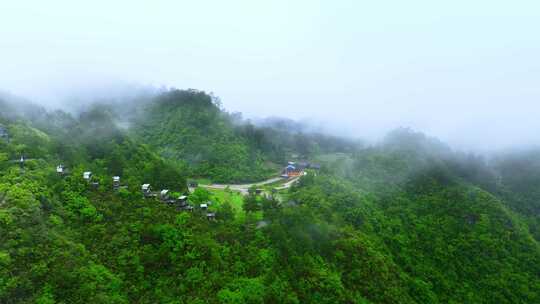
[191, 127]
[408, 220]
[188, 126]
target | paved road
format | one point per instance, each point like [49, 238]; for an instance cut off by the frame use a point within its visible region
[243, 188]
[288, 184]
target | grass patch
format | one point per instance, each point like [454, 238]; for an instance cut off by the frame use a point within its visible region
[236, 200]
[203, 181]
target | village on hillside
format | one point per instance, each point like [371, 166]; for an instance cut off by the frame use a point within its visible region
[290, 174]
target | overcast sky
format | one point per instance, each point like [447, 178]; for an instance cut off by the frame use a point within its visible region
[467, 72]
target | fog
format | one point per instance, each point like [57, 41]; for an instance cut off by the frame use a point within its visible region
[465, 72]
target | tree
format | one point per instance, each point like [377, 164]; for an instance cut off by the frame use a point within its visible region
[225, 212]
[270, 206]
[251, 203]
[200, 195]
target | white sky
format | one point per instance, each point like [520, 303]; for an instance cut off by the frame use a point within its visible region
[467, 72]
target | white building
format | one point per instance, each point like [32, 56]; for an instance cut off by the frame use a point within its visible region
[87, 175]
[164, 194]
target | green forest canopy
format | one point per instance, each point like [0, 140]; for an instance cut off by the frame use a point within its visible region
[405, 221]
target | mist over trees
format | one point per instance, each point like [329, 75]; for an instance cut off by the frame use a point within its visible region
[322, 152]
[406, 220]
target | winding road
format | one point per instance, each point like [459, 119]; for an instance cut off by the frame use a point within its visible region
[243, 188]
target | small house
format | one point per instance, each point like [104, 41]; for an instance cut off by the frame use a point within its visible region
[193, 184]
[87, 175]
[146, 189]
[315, 166]
[95, 185]
[60, 169]
[204, 206]
[182, 200]
[116, 182]
[164, 195]
[211, 216]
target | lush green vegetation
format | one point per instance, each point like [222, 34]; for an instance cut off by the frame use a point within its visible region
[190, 127]
[406, 221]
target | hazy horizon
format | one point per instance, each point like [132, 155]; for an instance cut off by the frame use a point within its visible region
[466, 73]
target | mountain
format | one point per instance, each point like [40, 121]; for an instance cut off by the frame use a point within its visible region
[191, 127]
[408, 220]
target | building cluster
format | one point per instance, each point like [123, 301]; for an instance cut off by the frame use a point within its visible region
[181, 202]
[295, 169]
[292, 169]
